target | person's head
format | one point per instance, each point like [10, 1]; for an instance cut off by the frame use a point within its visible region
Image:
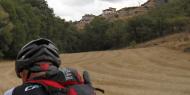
[37, 58]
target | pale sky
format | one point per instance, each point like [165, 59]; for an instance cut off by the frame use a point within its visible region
[75, 9]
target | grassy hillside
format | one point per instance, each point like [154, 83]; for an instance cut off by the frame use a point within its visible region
[178, 41]
[141, 71]
[25, 20]
[170, 18]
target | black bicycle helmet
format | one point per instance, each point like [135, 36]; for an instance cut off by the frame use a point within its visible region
[36, 51]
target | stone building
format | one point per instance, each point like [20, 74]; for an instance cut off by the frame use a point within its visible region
[109, 12]
[87, 18]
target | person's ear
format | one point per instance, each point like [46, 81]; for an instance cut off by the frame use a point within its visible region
[23, 75]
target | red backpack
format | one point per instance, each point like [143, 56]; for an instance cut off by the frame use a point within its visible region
[67, 82]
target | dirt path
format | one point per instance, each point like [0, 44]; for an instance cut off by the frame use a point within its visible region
[142, 71]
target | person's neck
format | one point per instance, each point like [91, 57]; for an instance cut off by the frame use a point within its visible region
[35, 76]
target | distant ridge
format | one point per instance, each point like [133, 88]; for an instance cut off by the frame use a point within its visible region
[124, 13]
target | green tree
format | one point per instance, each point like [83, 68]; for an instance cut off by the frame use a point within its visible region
[5, 32]
[96, 38]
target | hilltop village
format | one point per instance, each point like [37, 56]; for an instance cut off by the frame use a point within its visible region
[124, 13]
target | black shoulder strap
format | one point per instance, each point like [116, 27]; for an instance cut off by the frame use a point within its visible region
[29, 89]
[50, 87]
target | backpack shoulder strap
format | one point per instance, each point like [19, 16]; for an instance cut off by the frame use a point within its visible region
[47, 83]
[50, 86]
[29, 89]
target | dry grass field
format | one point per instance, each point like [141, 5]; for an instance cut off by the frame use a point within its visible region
[154, 70]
